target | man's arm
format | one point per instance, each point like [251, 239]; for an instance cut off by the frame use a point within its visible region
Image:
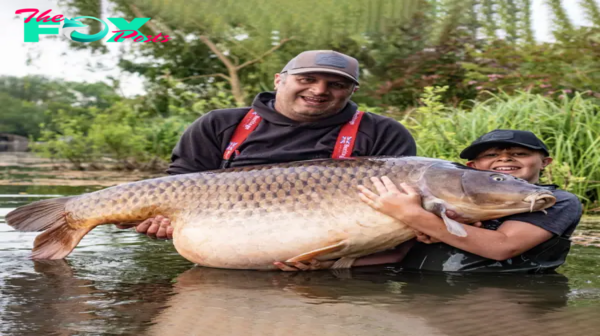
[392, 138]
[199, 148]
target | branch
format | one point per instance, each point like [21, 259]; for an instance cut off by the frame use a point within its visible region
[137, 12]
[217, 52]
[211, 75]
[267, 53]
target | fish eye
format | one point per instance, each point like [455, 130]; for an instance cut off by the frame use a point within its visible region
[498, 178]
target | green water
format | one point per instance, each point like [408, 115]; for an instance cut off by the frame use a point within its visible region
[120, 282]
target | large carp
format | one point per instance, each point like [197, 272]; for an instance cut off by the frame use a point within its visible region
[247, 218]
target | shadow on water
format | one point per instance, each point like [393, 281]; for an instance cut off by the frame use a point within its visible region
[120, 282]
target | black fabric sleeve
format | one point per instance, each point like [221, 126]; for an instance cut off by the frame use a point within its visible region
[393, 139]
[199, 148]
[562, 217]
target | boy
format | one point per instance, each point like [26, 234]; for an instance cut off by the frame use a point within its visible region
[527, 242]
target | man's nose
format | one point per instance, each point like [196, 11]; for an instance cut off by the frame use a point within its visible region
[319, 88]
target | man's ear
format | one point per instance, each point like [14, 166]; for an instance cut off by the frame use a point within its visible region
[470, 164]
[356, 87]
[277, 80]
[546, 161]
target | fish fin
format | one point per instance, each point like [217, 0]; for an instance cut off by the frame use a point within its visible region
[57, 242]
[453, 226]
[59, 239]
[343, 262]
[38, 216]
[315, 253]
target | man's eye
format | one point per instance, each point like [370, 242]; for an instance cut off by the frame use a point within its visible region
[305, 80]
[338, 85]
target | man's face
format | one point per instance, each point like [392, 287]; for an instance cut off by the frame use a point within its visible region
[519, 162]
[312, 96]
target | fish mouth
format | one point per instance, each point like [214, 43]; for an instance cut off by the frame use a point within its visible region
[540, 200]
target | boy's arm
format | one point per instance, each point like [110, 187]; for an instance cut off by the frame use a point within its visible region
[511, 239]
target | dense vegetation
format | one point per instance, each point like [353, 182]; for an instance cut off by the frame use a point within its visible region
[448, 69]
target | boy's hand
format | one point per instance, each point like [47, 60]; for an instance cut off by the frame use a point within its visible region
[423, 238]
[400, 204]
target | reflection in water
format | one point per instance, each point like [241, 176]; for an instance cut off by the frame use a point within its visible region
[119, 282]
[54, 301]
[373, 302]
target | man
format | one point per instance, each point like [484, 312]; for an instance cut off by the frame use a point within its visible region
[527, 242]
[303, 119]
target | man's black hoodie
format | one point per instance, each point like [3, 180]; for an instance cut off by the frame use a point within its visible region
[280, 139]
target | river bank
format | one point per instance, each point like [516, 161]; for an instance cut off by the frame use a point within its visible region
[26, 169]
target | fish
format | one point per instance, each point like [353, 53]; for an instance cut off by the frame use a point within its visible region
[250, 217]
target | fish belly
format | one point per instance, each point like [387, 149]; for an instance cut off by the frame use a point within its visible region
[255, 242]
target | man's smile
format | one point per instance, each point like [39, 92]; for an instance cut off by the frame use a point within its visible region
[311, 100]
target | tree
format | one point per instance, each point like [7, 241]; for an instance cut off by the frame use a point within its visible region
[236, 38]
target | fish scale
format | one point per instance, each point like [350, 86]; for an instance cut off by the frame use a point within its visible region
[250, 217]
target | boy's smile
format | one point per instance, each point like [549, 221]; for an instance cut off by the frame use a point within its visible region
[519, 162]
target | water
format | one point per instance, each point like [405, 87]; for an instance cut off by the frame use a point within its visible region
[119, 282]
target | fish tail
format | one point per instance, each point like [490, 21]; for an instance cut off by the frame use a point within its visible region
[59, 239]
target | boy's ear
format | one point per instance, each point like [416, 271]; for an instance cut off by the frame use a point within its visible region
[470, 164]
[546, 161]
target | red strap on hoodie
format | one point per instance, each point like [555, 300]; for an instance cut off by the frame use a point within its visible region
[343, 146]
[243, 129]
[345, 141]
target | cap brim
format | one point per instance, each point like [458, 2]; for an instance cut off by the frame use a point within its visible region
[472, 151]
[321, 70]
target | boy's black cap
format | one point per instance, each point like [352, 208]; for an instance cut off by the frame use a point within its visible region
[503, 137]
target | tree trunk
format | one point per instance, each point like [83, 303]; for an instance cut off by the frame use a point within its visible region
[237, 90]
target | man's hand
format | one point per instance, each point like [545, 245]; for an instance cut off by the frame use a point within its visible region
[158, 227]
[313, 265]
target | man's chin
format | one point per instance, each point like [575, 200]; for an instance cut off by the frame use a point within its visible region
[312, 113]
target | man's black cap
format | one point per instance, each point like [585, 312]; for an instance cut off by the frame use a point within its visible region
[503, 137]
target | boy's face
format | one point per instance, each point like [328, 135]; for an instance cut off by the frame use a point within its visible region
[519, 162]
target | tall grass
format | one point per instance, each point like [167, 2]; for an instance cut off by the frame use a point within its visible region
[570, 127]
